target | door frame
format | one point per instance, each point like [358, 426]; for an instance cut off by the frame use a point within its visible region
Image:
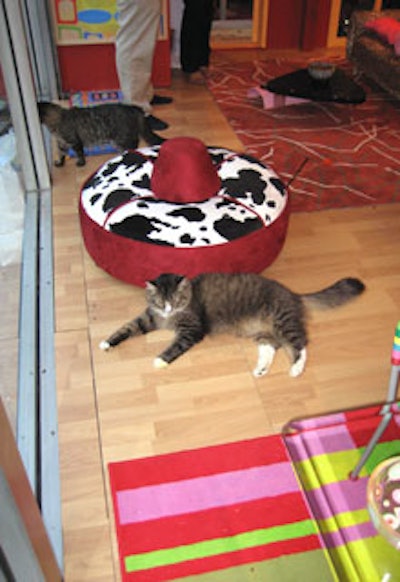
[25, 545]
[259, 30]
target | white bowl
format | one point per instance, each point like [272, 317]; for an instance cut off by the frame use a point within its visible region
[383, 498]
[320, 70]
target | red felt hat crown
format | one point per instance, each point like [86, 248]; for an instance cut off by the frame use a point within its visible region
[184, 171]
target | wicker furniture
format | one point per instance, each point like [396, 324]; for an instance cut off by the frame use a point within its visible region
[370, 54]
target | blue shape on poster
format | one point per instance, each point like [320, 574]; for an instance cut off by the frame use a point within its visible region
[88, 35]
[94, 16]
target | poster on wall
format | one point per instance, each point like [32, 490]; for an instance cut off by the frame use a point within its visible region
[92, 21]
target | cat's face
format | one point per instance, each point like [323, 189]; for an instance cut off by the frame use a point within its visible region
[169, 294]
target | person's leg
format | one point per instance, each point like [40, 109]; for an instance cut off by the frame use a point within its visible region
[205, 50]
[195, 34]
[135, 44]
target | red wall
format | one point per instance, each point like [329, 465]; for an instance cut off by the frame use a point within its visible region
[92, 67]
[316, 23]
[285, 24]
[298, 24]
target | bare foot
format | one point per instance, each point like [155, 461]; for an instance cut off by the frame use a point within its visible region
[196, 78]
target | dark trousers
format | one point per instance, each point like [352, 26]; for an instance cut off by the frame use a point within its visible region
[195, 34]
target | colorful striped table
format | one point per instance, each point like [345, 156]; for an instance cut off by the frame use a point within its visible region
[324, 451]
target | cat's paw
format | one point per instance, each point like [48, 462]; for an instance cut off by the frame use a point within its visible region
[104, 345]
[266, 355]
[159, 363]
[299, 365]
[295, 371]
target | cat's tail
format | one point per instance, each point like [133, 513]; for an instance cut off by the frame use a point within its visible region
[146, 133]
[335, 295]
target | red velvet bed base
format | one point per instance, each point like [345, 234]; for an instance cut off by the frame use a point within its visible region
[136, 262]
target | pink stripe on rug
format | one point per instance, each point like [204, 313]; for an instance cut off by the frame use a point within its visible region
[190, 495]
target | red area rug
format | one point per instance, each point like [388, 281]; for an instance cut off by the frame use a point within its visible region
[352, 151]
[237, 512]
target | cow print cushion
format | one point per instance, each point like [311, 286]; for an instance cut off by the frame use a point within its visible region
[119, 211]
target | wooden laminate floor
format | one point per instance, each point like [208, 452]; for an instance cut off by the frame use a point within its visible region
[115, 406]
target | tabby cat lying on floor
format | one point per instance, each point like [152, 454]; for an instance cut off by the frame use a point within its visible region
[79, 127]
[247, 305]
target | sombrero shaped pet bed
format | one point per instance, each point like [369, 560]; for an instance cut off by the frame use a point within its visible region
[184, 208]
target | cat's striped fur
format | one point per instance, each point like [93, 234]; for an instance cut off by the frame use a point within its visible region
[79, 127]
[247, 305]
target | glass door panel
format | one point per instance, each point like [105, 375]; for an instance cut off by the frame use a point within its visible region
[11, 231]
[26, 317]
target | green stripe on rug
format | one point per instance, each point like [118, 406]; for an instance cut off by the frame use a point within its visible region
[207, 548]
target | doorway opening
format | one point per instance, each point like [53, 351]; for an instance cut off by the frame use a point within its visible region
[237, 24]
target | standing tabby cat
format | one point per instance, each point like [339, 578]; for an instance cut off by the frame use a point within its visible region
[80, 127]
[246, 304]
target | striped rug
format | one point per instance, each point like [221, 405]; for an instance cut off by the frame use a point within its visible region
[233, 512]
[238, 512]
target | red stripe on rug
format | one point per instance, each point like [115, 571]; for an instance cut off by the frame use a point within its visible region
[221, 522]
[216, 459]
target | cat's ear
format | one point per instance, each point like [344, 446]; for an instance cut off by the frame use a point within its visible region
[184, 283]
[150, 285]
